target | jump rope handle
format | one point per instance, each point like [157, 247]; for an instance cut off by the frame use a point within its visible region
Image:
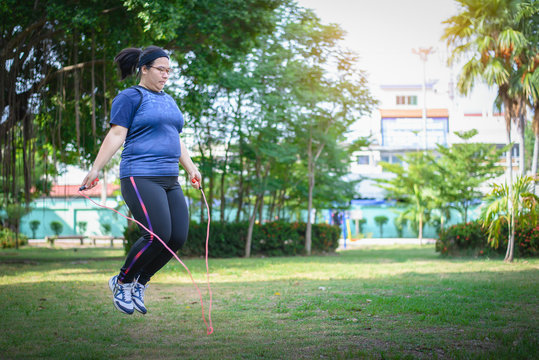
[195, 181]
[83, 187]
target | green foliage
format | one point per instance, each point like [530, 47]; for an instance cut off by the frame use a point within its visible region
[62, 57]
[472, 238]
[433, 185]
[400, 223]
[56, 227]
[81, 225]
[381, 220]
[460, 170]
[270, 239]
[507, 204]
[8, 239]
[413, 185]
[34, 225]
[106, 228]
[360, 224]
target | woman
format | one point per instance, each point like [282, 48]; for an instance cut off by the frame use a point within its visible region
[147, 122]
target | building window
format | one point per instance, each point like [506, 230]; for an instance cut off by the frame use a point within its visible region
[363, 160]
[407, 100]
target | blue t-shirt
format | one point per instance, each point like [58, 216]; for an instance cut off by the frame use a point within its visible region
[152, 145]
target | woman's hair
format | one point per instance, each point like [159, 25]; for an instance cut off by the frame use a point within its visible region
[128, 59]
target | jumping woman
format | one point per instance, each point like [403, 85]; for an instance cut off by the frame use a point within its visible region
[147, 122]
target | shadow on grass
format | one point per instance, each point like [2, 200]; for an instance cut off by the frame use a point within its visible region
[446, 315]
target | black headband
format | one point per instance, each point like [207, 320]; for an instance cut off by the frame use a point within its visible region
[151, 56]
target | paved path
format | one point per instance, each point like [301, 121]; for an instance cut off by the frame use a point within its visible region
[381, 241]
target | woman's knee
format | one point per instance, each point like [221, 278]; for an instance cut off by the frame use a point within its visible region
[163, 234]
[176, 241]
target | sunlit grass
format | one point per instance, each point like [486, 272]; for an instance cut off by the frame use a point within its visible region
[380, 302]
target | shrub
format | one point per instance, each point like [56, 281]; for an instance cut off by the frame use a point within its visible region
[7, 239]
[34, 225]
[269, 239]
[472, 239]
[56, 227]
[527, 240]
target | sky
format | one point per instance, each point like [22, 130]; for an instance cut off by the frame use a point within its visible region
[384, 32]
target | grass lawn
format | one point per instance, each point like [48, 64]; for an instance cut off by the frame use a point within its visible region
[378, 302]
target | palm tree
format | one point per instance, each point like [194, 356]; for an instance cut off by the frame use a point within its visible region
[487, 33]
[505, 205]
[528, 72]
[412, 185]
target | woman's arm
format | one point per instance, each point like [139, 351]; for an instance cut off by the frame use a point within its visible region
[113, 141]
[190, 167]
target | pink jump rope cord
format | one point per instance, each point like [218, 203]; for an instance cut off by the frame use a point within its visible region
[209, 327]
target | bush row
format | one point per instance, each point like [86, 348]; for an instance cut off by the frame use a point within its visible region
[7, 239]
[471, 239]
[269, 239]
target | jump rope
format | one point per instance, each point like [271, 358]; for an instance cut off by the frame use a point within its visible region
[209, 326]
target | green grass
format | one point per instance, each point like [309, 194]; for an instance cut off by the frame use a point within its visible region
[380, 302]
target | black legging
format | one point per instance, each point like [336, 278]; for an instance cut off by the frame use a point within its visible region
[159, 204]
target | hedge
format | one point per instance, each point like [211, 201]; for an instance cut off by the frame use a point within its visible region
[7, 239]
[471, 239]
[270, 239]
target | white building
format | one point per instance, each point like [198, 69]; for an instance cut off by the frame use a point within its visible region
[397, 126]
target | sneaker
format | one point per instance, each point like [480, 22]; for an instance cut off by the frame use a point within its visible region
[121, 295]
[137, 295]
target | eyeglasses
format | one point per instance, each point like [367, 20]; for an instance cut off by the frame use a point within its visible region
[162, 69]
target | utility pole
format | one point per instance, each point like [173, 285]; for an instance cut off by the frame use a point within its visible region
[423, 55]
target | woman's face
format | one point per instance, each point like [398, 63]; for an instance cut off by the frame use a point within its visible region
[156, 75]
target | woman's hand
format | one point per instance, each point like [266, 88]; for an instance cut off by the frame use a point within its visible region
[196, 179]
[90, 180]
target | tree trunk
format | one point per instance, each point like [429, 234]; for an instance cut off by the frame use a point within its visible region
[258, 201]
[93, 89]
[252, 219]
[420, 230]
[308, 231]
[534, 161]
[261, 210]
[509, 159]
[521, 142]
[240, 185]
[104, 187]
[311, 169]
[511, 240]
[535, 155]
[76, 86]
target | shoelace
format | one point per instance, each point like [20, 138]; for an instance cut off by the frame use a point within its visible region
[139, 291]
[122, 290]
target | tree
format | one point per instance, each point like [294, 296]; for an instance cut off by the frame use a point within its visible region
[381, 220]
[330, 94]
[461, 169]
[400, 222]
[412, 184]
[56, 227]
[505, 204]
[82, 227]
[14, 214]
[496, 38]
[57, 67]
[360, 224]
[34, 225]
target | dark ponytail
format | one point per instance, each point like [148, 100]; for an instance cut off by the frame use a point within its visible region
[127, 61]
[130, 59]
